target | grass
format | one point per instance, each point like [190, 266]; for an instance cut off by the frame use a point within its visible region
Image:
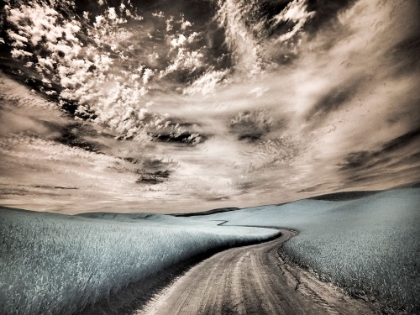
[369, 245]
[58, 264]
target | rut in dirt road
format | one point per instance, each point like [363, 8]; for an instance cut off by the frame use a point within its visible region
[253, 280]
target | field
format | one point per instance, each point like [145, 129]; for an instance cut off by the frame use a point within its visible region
[58, 264]
[368, 244]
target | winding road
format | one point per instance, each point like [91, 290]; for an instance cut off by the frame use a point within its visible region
[253, 280]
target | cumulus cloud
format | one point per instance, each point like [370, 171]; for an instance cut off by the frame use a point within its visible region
[295, 12]
[250, 107]
[176, 42]
[185, 60]
[207, 83]
[100, 92]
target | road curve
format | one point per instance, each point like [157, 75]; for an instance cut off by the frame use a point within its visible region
[253, 280]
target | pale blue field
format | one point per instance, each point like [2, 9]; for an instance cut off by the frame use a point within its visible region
[57, 264]
[369, 245]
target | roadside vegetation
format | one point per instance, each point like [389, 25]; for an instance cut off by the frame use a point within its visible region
[58, 264]
[369, 245]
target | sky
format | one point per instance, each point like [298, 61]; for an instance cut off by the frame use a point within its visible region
[163, 106]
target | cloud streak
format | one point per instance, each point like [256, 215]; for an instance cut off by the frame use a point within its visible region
[251, 106]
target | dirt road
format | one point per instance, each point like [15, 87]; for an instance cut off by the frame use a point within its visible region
[253, 280]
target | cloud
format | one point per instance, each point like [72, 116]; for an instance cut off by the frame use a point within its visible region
[295, 12]
[176, 42]
[251, 125]
[207, 83]
[251, 106]
[159, 14]
[245, 49]
[191, 61]
[80, 79]
[147, 75]
[327, 14]
[391, 152]
[334, 100]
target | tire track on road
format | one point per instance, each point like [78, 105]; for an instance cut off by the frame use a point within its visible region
[254, 280]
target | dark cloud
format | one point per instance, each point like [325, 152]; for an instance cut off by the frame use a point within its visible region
[246, 186]
[222, 198]
[405, 55]
[152, 178]
[411, 158]
[314, 188]
[398, 157]
[74, 135]
[184, 137]
[335, 99]
[400, 142]
[71, 139]
[27, 76]
[152, 171]
[356, 160]
[154, 164]
[254, 125]
[55, 187]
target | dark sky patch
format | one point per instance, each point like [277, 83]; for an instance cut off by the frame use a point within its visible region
[215, 41]
[364, 160]
[356, 160]
[73, 135]
[185, 137]
[194, 10]
[184, 76]
[401, 175]
[152, 178]
[151, 170]
[395, 156]
[27, 76]
[177, 130]
[131, 160]
[326, 13]
[405, 55]
[402, 141]
[246, 186]
[265, 11]
[253, 125]
[155, 166]
[333, 100]
[250, 136]
[412, 158]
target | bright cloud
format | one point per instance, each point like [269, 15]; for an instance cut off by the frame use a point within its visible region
[241, 105]
[296, 11]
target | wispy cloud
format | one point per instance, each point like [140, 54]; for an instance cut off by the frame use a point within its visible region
[250, 107]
